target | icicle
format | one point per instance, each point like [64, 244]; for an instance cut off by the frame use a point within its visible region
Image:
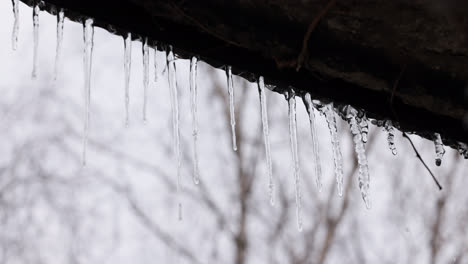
[230, 84]
[127, 68]
[60, 22]
[335, 140]
[364, 126]
[364, 178]
[439, 148]
[313, 132]
[155, 64]
[171, 66]
[88, 37]
[294, 153]
[391, 136]
[266, 136]
[193, 104]
[14, 34]
[36, 11]
[145, 76]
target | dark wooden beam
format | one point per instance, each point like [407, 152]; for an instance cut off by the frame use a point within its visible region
[400, 60]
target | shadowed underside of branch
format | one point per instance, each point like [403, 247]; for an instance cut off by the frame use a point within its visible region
[400, 60]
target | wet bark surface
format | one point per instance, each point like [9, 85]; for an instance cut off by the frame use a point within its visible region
[400, 60]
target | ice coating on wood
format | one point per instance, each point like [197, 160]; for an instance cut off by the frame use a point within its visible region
[439, 149]
[15, 31]
[36, 11]
[363, 170]
[266, 136]
[145, 51]
[295, 154]
[315, 147]
[127, 69]
[330, 117]
[172, 78]
[88, 39]
[58, 51]
[193, 107]
[390, 136]
[232, 112]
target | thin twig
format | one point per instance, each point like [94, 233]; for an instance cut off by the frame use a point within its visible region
[312, 26]
[395, 86]
[422, 161]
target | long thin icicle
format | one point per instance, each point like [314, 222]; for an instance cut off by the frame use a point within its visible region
[390, 136]
[36, 11]
[193, 107]
[14, 34]
[266, 136]
[88, 38]
[439, 148]
[155, 64]
[171, 66]
[336, 149]
[58, 51]
[145, 76]
[313, 132]
[295, 155]
[127, 69]
[230, 84]
[364, 178]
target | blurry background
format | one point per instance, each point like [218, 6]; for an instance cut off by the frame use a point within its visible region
[122, 207]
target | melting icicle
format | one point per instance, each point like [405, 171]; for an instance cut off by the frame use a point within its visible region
[266, 136]
[335, 140]
[127, 68]
[14, 34]
[439, 148]
[60, 22]
[193, 106]
[230, 84]
[313, 132]
[364, 126]
[171, 66]
[155, 64]
[88, 38]
[36, 11]
[295, 156]
[364, 178]
[145, 76]
[391, 136]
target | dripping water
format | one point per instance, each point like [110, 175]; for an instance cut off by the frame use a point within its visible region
[193, 106]
[266, 136]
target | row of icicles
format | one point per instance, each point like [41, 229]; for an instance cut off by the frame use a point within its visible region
[356, 119]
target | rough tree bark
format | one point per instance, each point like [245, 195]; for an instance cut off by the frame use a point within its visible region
[400, 60]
